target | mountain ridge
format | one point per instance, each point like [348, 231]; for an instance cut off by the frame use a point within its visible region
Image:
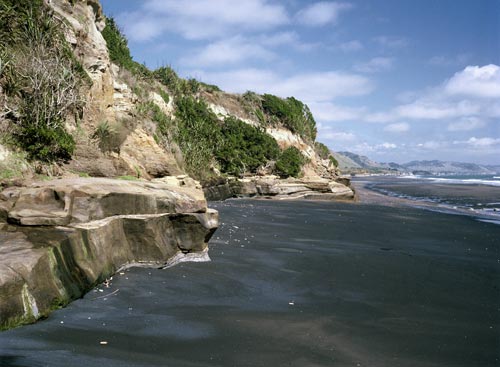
[355, 163]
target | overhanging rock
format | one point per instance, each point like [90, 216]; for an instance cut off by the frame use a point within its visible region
[66, 236]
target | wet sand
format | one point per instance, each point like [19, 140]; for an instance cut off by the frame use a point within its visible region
[450, 199]
[294, 284]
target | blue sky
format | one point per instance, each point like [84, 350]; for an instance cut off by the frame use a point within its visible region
[396, 80]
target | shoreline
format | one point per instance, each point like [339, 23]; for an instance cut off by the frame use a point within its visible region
[365, 195]
[296, 284]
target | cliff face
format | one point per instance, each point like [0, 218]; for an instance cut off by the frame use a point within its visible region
[130, 124]
[60, 238]
[111, 101]
[64, 237]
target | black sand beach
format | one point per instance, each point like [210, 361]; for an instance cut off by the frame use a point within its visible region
[294, 284]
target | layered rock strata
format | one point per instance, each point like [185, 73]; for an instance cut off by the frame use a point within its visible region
[273, 187]
[60, 238]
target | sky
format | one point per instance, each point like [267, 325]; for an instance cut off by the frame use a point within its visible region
[395, 80]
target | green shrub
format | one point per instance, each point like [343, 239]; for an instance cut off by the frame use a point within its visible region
[117, 44]
[111, 137]
[252, 99]
[333, 161]
[210, 88]
[290, 163]
[260, 116]
[292, 114]
[198, 135]
[119, 52]
[40, 77]
[153, 111]
[167, 76]
[46, 143]
[324, 153]
[322, 150]
[104, 134]
[275, 106]
[164, 95]
[190, 86]
[244, 148]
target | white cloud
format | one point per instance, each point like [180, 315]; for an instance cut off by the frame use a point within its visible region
[436, 110]
[366, 148]
[391, 41]
[351, 46]
[321, 13]
[375, 65]
[308, 87]
[201, 19]
[466, 124]
[475, 81]
[324, 86]
[383, 117]
[480, 142]
[291, 39]
[398, 127]
[281, 38]
[338, 136]
[459, 60]
[327, 111]
[387, 146]
[228, 51]
[470, 97]
[432, 145]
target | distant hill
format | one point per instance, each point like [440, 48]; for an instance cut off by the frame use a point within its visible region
[354, 163]
[441, 167]
[359, 161]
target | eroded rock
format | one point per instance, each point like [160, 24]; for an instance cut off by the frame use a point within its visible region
[72, 234]
[272, 186]
[140, 151]
[78, 200]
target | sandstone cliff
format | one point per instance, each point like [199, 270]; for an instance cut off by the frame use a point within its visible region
[58, 239]
[131, 121]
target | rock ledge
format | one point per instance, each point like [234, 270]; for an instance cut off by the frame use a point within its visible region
[313, 188]
[58, 239]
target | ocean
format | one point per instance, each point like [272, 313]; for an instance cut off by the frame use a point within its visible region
[382, 282]
[479, 195]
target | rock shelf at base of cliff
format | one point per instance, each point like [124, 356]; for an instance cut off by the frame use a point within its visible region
[312, 188]
[60, 238]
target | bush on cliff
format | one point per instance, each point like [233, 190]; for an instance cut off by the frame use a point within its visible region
[40, 77]
[118, 49]
[244, 148]
[198, 135]
[292, 114]
[324, 153]
[290, 163]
